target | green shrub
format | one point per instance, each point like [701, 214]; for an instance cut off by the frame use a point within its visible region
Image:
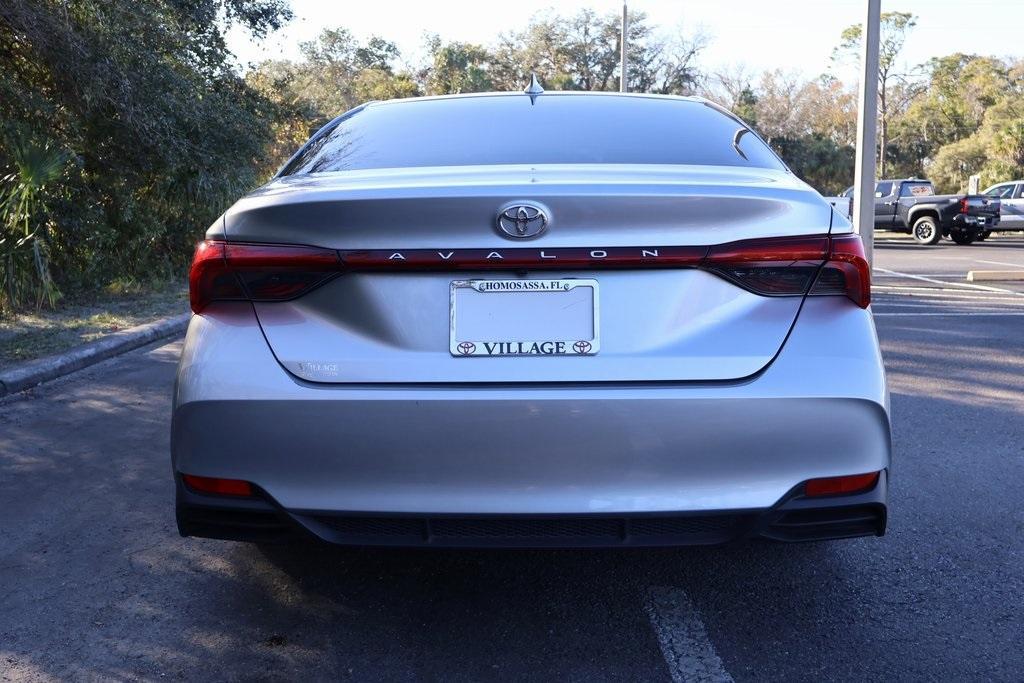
[25, 222]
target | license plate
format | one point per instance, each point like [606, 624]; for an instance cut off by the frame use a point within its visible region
[524, 318]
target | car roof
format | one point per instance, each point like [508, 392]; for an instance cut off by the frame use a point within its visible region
[541, 96]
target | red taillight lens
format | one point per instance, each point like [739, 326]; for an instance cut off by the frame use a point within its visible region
[257, 272]
[963, 205]
[209, 278]
[783, 266]
[834, 486]
[220, 487]
[787, 266]
[846, 272]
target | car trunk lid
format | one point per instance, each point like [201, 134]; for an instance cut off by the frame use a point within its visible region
[638, 233]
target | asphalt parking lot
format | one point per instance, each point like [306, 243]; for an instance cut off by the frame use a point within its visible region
[95, 582]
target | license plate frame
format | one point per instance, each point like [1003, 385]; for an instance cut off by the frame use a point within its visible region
[475, 348]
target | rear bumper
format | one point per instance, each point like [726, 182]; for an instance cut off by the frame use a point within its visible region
[419, 459]
[970, 222]
[576, 451]
[794, 519]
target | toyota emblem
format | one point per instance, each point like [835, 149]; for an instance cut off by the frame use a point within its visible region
[522, 220]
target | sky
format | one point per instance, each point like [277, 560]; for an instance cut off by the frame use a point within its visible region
[796, 36]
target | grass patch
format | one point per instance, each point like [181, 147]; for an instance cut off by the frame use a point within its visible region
[29, 335]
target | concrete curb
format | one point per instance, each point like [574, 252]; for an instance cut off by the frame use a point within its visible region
[31, 373]
[995, 275]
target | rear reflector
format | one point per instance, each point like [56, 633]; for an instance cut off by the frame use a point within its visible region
[222, 487]
[840, 485]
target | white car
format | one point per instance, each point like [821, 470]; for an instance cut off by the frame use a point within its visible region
[1011, 197]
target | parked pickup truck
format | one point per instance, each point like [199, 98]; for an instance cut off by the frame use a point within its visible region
[911, 205]
[843, 204]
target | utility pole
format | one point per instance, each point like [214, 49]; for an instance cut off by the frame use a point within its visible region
[622, 44]
[867, 132]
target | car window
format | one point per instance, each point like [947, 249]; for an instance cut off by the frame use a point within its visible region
[1001, 191]
[510, 129]
[1020, 192]
[916, 190]
[883, 189]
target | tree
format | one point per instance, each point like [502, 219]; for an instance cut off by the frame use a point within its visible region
[811, 124]
[955, 162]
[745, 106]
[158, 130]
[965, 114]
[895, 26]
[666, 66]
[959, 90]
[995, 150]
[818, 160]
[780, 106]
[328, 79]
[337, 72]
[581, 52]
[24, 225]
[731, 87]
[457, 68]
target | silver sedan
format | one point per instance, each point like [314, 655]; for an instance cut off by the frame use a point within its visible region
[556, 319]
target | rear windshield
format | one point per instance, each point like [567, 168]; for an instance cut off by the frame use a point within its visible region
[916, 190]
[556, 129]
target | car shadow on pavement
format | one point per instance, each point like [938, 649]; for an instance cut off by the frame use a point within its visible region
[552, 614]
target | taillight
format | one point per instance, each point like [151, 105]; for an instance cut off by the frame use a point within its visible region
[257, 272]
[779, 266]
[963, 205]
[215, 485]
[782, 266]
[846, 272]
[787, 266]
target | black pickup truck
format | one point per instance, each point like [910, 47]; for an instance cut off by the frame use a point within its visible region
[911, 206]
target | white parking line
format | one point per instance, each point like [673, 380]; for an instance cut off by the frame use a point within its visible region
[944, 282]
[684, 641]
[938, 305]
[1002, 263]
[933, 290]
[944, 302]
[942, 294]
[876, 276]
